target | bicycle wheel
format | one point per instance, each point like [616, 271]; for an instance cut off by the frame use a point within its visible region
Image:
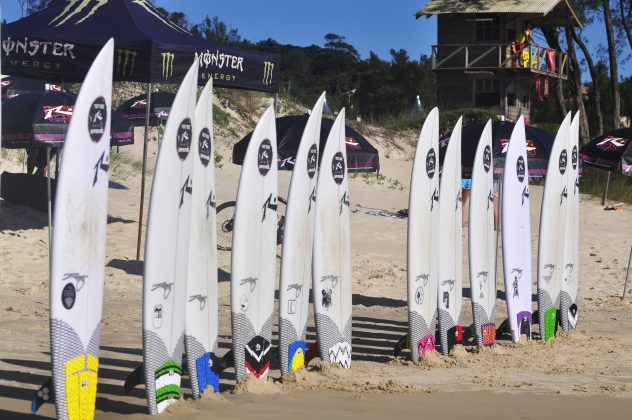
[225, 217]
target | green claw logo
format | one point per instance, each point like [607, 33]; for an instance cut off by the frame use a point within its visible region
[268, 69]
[167, 64]
[125, 58]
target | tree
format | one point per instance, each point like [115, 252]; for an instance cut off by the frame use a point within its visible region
[215, 30]
[614, 67]
[552, 38]
[575, 82]
[626, 19]
[596, 93]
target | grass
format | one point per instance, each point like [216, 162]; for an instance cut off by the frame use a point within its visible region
[123, 166]
[220, 117]
[619, 189]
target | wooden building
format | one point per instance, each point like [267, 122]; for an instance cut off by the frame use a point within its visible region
[479, 61]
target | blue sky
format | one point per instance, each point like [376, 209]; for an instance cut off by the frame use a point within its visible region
[368, 25]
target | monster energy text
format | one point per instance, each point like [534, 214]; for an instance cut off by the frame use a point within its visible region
[220, 60]
[33, 47]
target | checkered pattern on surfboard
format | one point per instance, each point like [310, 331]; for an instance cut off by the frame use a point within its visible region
[418, 329]
[65, 346]
[329, 335]
[243, 332]
[481, 318]
[544, 304]
[155, 354]
[194, 350]
[287, 335]
[565, 303]
[445, 323]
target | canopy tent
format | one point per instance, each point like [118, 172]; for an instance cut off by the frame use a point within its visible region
[361, 155]
[607, 152]
[60, 42]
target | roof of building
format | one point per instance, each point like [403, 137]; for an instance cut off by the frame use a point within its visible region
[543, 12]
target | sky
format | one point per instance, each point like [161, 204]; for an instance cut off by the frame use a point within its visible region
[368, 25]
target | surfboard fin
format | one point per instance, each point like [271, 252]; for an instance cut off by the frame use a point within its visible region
[135, 378]
[43, 395]
[312, 352]
[223, 363]
[402, 343]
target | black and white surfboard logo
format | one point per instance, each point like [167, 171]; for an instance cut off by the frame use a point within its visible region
[574, 157]
[97, 118]
[338, 167]
[520, 169]
[264, 157]
[68, 296]
[183, 139]
[487, 158]
[312, 161]
[431, 163]
[563, 161]
[204, 145]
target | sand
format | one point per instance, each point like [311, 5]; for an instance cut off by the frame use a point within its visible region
[586, 373]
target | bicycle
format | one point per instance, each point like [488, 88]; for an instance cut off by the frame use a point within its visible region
[225, 218]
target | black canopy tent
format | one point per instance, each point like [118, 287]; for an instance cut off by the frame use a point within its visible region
[361, 155]
[59, 44]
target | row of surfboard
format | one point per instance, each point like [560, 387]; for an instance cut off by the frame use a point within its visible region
[435, 239]
[180, 299]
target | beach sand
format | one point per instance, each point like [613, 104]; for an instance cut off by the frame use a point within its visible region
[584, 374]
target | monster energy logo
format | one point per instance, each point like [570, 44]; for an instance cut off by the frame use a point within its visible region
[125, 58]
[167, 64]
[268, 68]
[85, 8]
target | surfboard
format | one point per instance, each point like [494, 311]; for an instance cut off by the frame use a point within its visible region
[450, 288]
[332, 251]
[167, 252]
[516, 234]
[482, 242]
[201, 322]
[570, 285]
[296, 260]
[254, 253]
[552, 233]
[423, 236]
[78, 244]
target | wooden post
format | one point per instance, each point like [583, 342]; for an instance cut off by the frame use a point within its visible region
[144, 171]
[625, 286]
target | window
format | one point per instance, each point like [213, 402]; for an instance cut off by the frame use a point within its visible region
[487, 29]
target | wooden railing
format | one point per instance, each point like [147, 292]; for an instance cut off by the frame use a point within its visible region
[473, 57]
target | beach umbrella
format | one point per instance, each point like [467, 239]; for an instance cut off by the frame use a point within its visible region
[15, 85]
[361, 155]
[135, 109]
[40, 119]
[610, 151]
[539, 144]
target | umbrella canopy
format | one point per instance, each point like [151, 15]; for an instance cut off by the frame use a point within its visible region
[61, 41]
[134, 109]
[539, 144]
[361, 155]
[38, 119]
[609, 151]
[14, 85]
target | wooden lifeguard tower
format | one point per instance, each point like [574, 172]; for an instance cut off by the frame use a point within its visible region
[478, 61]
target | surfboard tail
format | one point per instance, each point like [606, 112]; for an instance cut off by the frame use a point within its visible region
[43, 395]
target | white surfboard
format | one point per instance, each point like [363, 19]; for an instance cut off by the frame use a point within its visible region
[296, 261]
[516, 234]
[553, 232]
[450, 289]
[332, 251]
[78, 245]
[167, 252]
[201, 326]
[254, 253]
[482, 241]
[570, 284]
[423, 236]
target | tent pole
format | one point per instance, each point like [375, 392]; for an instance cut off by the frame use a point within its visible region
[144, 170]
[605, 189]
[276, 98]
[627, 273]
[50, 215]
